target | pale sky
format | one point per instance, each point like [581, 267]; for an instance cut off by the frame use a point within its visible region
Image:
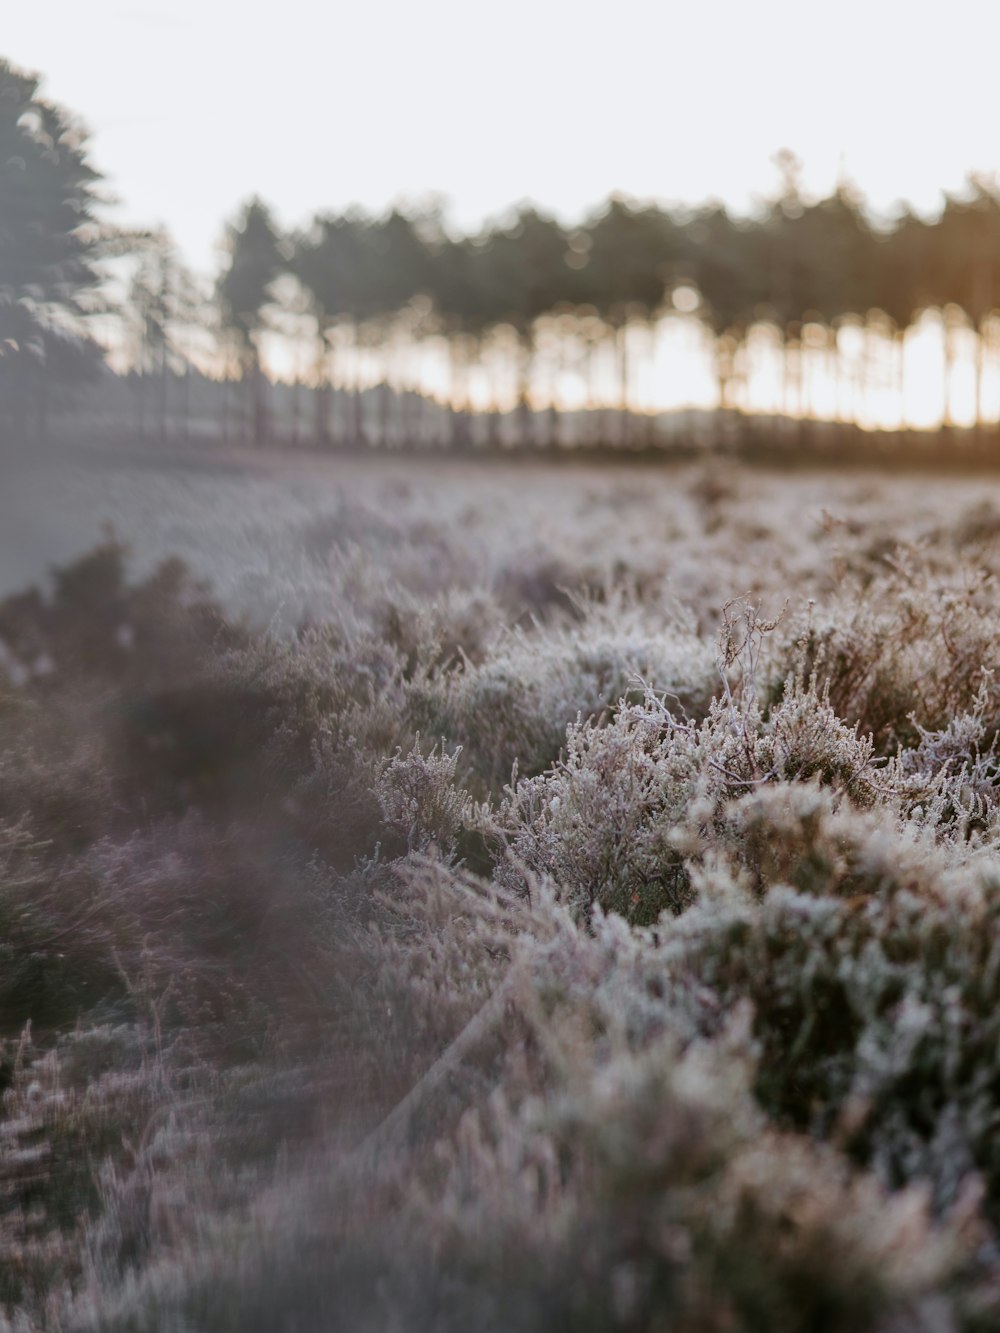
[196, 104]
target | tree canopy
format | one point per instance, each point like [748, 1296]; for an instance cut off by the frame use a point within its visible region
[50, 238]
[368, 284]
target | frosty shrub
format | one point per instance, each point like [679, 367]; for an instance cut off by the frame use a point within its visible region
[908, 649]
[611, 821]
[471, 921]
[419, 797]
[516, 703]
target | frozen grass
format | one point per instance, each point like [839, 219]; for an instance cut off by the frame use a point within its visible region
[730, 872]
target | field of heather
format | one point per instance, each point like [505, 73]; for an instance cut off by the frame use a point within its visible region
[451, 895]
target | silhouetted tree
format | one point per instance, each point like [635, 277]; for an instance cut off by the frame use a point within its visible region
[726, 262]
[807, 267]
[333, 261]
[254, 260]
[632, 254]
[467, 305]
[963, 248]
[522, 275]
[50, 248]
[163, 304]
[397, 265]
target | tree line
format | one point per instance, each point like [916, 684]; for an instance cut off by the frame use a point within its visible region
[360, 286]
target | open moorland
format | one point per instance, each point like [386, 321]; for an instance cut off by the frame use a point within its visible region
[451, 895]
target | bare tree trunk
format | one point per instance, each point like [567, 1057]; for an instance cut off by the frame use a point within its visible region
[140, 399]
[624, 386]
[164, 378]
[554, 427]
[785, 384]
[321, 405]
[412, 403]
[608, 412]
[384, 414]
[186, 403]
[165, 306]
[525, 415]
[402, 400]
[260, 414]
[457, 395]
[984, 305]
[385, 395]
[899, 346]
[358, 430]
[865, 373]
[989, 355]
[836, 372]
[948, 419]
[321, 402]
[226, 410]
[651, 418]
[358, 415]
[724, 367]
[593, 426]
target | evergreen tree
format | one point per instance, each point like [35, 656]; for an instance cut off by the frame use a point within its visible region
[50, 249]
[244, 290]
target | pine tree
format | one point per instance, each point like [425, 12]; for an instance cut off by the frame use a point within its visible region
[50, 249]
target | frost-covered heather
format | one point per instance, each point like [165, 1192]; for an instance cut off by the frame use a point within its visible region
[658, 807]
[264, 529]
